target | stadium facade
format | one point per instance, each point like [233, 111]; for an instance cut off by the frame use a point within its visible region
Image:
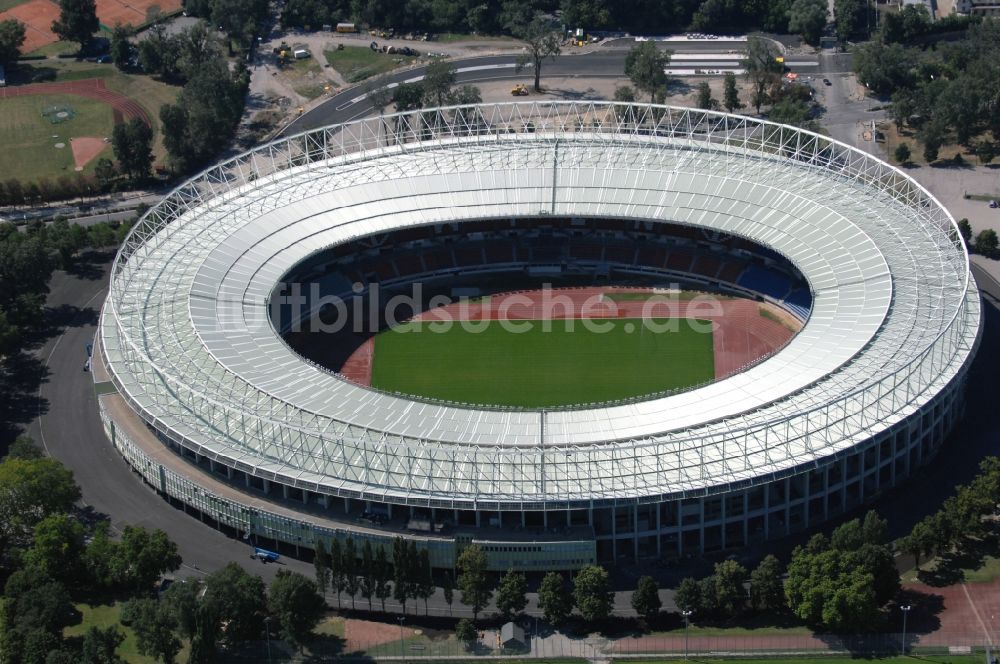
[208, 403]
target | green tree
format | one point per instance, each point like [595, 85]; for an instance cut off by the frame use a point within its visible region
[382, 574]
[77, 21]
[337, 579]
[986, 242]
[121, 47]
[554, 598]
[439, 78]
[321, 564]
[791, 112]
[965, 230]
[646, 599]
[592, 594]
[902, 153]
[183, 601]
[705, 99]
[466, 632]
[132, 142]
[688, 595]
[423, 586]
[30, 490]
[542, 41]
[24, 447]
[448, 589]
[33, 612]
[11, 39]
[236, 599]
[239, 18]
[401, 580]
[296, 604]
[367, 572]
[762, 68]
[730, 594]
[828, 588]
[767, 591]
[99, 645]
[105, 172]
[143, 557]
[902, 108]
[808, 18]
[57, 548]
[646, 65]
[473, 580]
[352, 582]
[154, 628]
[730, 93]
[512, 594]
[850, 17]
[986, 151]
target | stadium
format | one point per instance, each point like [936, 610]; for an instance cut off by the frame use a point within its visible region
[214, 389]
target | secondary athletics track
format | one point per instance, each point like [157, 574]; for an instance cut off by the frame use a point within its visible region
[91, 88]
[740, 334]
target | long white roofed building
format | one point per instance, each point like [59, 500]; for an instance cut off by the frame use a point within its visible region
[223, 416]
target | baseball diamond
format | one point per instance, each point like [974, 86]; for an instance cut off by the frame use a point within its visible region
[215, 405]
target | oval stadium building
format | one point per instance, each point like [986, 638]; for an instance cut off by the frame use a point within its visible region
[207, 392]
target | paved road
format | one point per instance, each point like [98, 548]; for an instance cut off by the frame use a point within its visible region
[351, 104]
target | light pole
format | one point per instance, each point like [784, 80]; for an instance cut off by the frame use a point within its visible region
[905, 608]
[402, 652]
[687, 620]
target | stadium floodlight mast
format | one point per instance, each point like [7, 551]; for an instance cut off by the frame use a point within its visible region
[905, 608]
[687, 620]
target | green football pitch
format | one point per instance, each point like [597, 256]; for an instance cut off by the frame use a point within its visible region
[484, 363]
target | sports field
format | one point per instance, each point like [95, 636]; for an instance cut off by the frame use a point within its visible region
[484, 363]
[34, 139]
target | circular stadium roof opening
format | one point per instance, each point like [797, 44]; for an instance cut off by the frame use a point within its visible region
[541, 312]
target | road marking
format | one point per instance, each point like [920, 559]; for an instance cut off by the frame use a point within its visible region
[417, 79]
[41, 429]
[989, 637]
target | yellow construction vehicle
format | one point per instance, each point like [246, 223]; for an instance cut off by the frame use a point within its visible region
[519, 90]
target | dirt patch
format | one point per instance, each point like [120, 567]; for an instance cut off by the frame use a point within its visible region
[741, 335]
[37, 16]
[85, 149]
[133, 12]
[361, 635]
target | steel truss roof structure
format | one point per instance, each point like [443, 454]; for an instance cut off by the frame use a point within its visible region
[186, 331]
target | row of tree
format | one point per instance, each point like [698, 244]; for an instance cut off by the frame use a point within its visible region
[502, 16]
[964, 518]
[837, 583]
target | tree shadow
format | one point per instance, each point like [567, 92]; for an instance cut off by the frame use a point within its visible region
[90, 265]
[970, 554]
[575, 95]
[20, 377]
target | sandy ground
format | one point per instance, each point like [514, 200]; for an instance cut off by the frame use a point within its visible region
[362, 634]
[85, 148]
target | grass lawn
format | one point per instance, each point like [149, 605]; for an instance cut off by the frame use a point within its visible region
[488, 364]
[825, 659]
[26, 133]
[986, 573]
[356, 63]
[695, 630]
[148, 92]
[56, 48]
[105, 615]
[10, 4]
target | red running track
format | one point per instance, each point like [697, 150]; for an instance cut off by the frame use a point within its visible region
[741, 335]
[91, 88]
